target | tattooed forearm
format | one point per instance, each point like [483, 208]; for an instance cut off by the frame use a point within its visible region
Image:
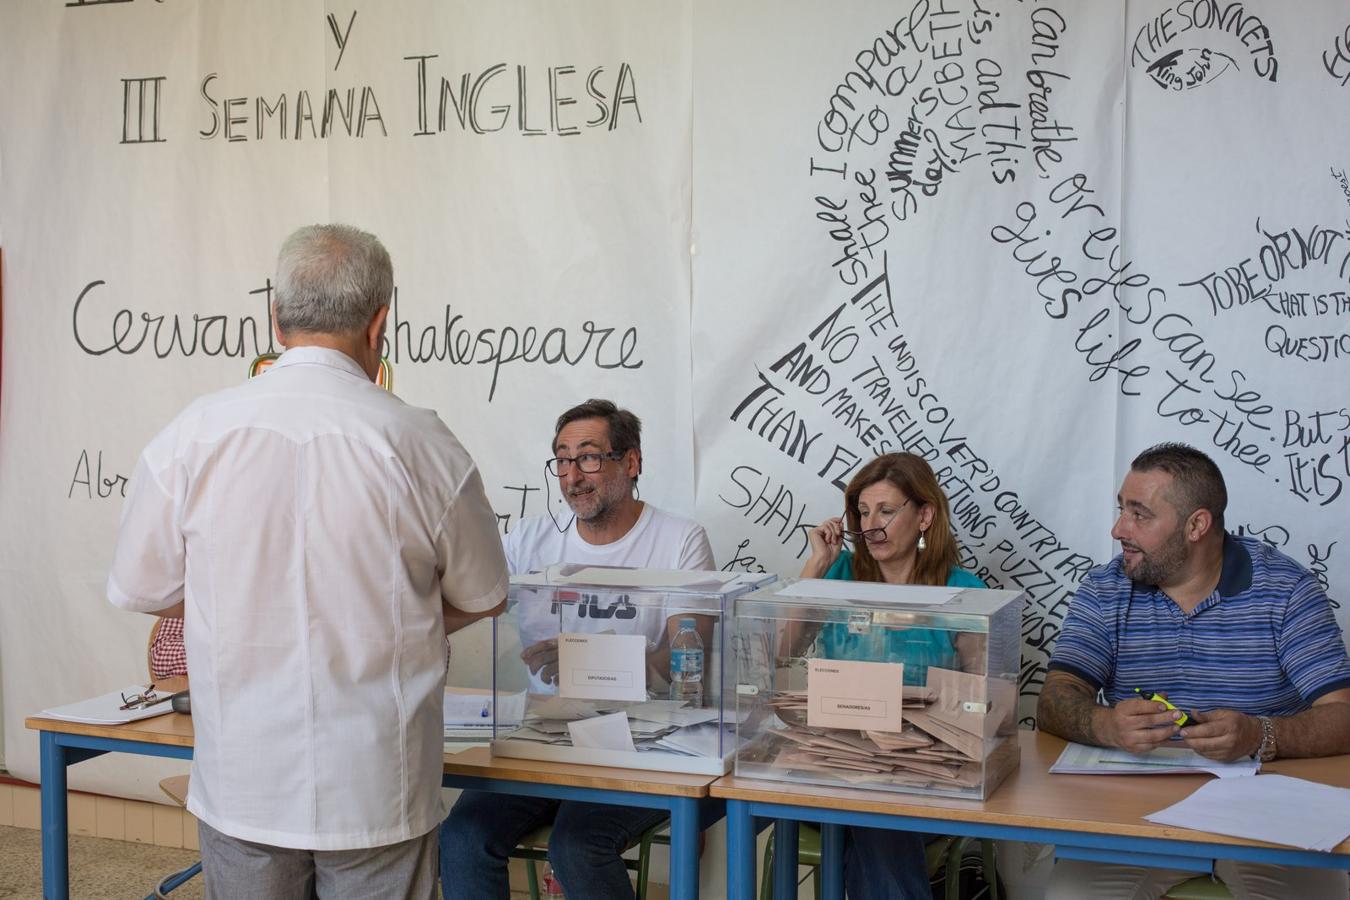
[1067, 708]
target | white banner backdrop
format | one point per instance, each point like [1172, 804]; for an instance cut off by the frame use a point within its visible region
[1023, 239]
[526, 164]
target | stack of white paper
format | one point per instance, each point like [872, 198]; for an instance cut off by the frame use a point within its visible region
[469, 714]
[699, 740]
[1272, 808]
[663, 725]
[105, 710]
[1080, 759]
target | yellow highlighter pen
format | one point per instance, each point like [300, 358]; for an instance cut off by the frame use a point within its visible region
[1155, 696]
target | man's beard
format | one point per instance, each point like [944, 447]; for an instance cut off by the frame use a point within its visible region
[597, 506]
[1158, 567]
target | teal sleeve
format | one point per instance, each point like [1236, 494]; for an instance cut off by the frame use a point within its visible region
[842, 570]
[962, 578]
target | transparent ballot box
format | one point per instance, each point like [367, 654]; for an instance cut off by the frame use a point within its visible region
[618, 667]
[876, 686]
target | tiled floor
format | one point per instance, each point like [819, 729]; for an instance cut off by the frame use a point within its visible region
[100, 868]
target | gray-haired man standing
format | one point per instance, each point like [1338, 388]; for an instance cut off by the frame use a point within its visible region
[319, 537]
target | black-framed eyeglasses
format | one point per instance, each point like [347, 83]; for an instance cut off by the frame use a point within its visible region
[589, 463]
[139, 699]
[873, 535]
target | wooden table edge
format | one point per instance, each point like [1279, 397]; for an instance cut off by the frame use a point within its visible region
[470, 763]
[174, 735]
[732, 787]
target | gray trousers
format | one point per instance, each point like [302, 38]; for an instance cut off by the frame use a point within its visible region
[241, 870]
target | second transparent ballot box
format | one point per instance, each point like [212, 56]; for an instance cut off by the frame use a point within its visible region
[618, 667]
[877, 686]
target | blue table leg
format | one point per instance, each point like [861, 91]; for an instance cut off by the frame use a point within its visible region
[740, 851]
[684, 849]
[55, 863]
[831, 872]
[785, 859]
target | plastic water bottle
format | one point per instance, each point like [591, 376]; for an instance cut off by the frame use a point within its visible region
[551, 885]
[686, 665]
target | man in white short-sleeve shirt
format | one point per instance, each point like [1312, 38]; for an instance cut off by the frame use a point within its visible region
[597, 457]
[658, 540]
[320, 537]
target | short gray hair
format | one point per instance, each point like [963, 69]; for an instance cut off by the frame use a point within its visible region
[331, 279]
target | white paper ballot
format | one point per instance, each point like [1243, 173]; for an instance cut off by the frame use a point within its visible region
[907, 594]
[706, 740]
[554, 707]
[602, 733]
[670, 712]
[602, 666]
[1272, 808]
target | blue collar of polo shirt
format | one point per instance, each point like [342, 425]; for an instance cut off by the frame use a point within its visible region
[1236, 576]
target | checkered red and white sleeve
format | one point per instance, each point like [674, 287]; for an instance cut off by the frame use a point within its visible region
[168, 655]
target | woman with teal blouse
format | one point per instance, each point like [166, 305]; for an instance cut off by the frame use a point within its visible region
[900, 526]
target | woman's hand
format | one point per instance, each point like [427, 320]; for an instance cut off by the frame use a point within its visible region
[827, 541]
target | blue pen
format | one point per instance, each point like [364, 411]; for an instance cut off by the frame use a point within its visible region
[484, 713]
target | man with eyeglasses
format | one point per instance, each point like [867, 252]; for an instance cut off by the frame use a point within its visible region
[319, 537]
[1240, 638]
[597, 458]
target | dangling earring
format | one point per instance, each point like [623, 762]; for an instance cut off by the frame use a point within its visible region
[923, 542]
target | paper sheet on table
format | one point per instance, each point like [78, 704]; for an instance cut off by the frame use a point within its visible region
[103, 710]
[468, 708]
[602, 733]
[832, 589]
[1273, 808]
[1079, 759]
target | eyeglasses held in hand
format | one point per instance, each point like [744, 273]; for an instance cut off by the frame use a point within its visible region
[874, 535]
[589, 463]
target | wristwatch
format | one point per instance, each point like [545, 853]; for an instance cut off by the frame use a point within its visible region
[1266, 752]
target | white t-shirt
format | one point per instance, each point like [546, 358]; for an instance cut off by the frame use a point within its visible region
[313, 523]
[658, 540]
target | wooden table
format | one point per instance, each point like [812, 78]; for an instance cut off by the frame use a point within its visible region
[686, 797]
[64, 744]
[1096, 817]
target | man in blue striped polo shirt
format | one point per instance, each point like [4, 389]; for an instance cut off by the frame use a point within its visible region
[1235, 633]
